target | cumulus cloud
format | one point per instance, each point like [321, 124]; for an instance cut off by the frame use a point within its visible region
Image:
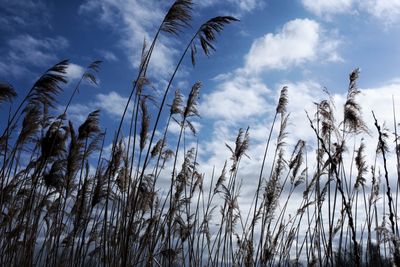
[294, 44]
[242, 94]
[302, 95]
[241, 99]
[235, 99]
[299, 41]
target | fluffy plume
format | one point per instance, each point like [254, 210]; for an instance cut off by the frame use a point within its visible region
[191, 104]
[144, 131]
[282, 131]
[91, 70]
[326, 117]
[90, 126]
[98, 192]
[207, 34]
[283, 100]
[241, 145]
[53, 143]
[176, 107]
[352, 110]
[48, 85]
[221, 179]
[73, 158]
[297, 159]
[361, 166]
[178, 16]
[273, 188]
[30, 124]
[7, 92]
[191, 107]
[54, 178]
[158, 147]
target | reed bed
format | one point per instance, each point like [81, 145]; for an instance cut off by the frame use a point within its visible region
[66, 200]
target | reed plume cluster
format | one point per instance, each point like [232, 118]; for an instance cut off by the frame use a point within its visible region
[67, 200]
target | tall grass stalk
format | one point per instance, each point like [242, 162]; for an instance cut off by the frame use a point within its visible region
[69, 199]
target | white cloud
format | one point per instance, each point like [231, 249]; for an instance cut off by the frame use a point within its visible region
[235, 99]
[326, 7]
[246, 6]
[108, 55]
[17, 14]
[9, 68]
[299, 41]
[302, 96]
[74, 71]
[174, 128]
[26, 51]
[241, 95]
[37, 52]
[77, 112]
[135, 21]
[111, 104]
[237, 7]
[329, 48]
[387, 11]
[138, 20]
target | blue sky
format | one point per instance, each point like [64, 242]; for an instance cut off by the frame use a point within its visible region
[343, 34]
[305, 44]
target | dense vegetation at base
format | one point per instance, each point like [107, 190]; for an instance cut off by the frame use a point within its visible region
[67, 200]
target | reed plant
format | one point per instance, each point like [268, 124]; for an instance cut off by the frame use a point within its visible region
[67, 200]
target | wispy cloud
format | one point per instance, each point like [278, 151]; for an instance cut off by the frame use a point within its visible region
[386, 11]
[135, 21]
[108, 55]
[74, 72]
[25, 51]
[17, 14]
[37, 52]
[238, 8]
[112, 104]
[328, 7]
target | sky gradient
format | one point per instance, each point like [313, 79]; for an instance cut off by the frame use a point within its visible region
[307, 45]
